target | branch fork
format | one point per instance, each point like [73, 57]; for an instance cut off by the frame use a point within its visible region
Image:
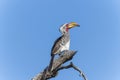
[52, 70]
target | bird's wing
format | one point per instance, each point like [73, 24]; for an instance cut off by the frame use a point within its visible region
[57, 45]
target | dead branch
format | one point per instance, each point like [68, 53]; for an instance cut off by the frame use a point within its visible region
[53, 69]
[71, 65]
[52, 72]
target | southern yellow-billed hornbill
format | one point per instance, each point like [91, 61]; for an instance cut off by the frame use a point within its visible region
[63, 42]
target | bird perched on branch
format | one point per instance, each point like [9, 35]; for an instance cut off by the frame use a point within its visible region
[63, 42]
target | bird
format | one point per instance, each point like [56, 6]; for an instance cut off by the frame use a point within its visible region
[63, 42]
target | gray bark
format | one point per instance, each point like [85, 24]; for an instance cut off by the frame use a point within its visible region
[52, 69]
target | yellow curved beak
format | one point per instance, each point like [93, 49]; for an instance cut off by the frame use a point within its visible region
[73, 24]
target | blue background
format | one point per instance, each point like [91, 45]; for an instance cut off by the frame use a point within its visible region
[28, 29]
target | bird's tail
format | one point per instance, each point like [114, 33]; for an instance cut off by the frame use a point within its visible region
[51, 62]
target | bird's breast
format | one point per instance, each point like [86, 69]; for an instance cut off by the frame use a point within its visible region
[66, 46]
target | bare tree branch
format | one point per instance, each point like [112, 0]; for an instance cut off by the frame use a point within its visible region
[71, 65]
[80, 71]
[47, 74]
[53, 69]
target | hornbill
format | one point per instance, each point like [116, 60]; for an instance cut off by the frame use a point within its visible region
[63, 42]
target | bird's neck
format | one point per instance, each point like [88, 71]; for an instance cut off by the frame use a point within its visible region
[67, 34]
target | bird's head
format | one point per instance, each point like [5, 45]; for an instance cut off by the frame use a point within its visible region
[65, 27]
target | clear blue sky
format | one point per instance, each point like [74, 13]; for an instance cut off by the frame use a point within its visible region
[28, 29]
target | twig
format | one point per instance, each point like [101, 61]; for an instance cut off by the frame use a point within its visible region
[71, 65]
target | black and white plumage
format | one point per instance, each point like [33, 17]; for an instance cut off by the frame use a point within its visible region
[63, 42]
